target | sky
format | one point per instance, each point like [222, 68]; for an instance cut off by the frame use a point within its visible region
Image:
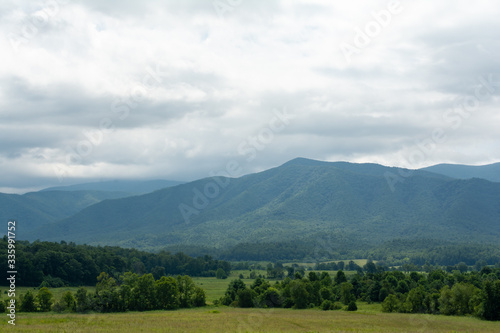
[180, 90]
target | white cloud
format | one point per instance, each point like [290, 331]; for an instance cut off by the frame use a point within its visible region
[183, 87]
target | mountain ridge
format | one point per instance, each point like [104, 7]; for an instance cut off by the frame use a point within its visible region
[299, 199]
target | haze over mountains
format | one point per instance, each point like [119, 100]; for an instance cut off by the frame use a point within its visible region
[300, 201]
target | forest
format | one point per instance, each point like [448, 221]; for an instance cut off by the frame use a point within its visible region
[437, 292]
[50, 264]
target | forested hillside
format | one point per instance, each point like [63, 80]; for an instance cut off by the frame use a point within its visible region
[350, 206]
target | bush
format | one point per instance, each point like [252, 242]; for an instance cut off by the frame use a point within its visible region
[326, 305]
[337, 306]
[391, 304]
[352, 306]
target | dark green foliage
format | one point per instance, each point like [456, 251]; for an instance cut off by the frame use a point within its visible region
[48, 264]
[232, 291]
[490, 305]
[299, 294]
[44, 298]
[28, 302]
[246, 298]
[326, 305]
[167, 293]
[352, 306]
[391, 304]
[82, 300]
[220, 274]
[199, 297]
[469, 293]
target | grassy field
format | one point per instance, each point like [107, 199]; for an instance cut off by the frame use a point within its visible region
[225, 319]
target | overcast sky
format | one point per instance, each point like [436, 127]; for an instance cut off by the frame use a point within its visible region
[94, 90]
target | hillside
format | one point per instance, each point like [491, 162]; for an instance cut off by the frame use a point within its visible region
[300, 200]
[36, 209]
[489, 172]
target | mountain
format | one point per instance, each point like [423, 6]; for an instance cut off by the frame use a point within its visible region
[489, 172]
[132, 187]
[302, 200]
[35, 209]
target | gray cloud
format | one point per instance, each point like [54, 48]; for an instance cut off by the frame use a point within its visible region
[187, 87]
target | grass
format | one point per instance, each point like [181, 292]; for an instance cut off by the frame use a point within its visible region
[215, 288]
[226, 319]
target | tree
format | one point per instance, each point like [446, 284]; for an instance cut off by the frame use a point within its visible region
[28, 302]
[199, 297]
[82, 300]
[246, 298]
[490, 305]
[232, 291]
[300, 296]
[271, 298]
[345, 293]
[69, 301]
[352, 306]
[44, 298]
[415, 301]
[220, 274]
[186, 291]
[391, 304]
[340, 277]
[167, 293]
[143, 293]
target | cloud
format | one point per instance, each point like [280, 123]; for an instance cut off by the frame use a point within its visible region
[169, 89]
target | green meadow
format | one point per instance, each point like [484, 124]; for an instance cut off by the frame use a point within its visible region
[226, 319]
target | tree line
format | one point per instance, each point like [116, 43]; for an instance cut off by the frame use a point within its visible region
[437, 292]
[52, 264]
[130, 293]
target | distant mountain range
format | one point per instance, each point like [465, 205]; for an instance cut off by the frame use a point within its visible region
[489, 172]
[302, 200]
[37, 209]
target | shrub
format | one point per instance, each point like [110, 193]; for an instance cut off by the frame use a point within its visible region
[326, 305]
[352, 306]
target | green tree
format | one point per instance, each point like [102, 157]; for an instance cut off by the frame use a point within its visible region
[186, 291]
[346, 295]
[391, 304]
[167, 293]
[271, 298]
[246, 298]
[299, 294]
[352, 306]
[69, 301]
[220, 274]
[490, 305]
[28, 302]
[232, 291]
[44, 298]
[340, 278]
[199, 297]
[82, 300]
[143, 293]
[415, 301]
